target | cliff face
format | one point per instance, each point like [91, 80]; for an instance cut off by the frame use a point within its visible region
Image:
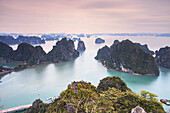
[6, 52]
[162, 57]
[30, 54]
[63, 51]
[128, 57]
[81, 46]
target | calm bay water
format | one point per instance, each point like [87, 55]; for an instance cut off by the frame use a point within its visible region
[48, 80]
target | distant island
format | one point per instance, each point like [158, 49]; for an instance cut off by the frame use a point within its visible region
[29, 55]
[163, 57]
[99, 41]
[127, 56]
[10, 40]
[110, 96]
[81, 46]
[50, 37]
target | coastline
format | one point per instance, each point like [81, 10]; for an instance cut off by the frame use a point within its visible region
[136, 74]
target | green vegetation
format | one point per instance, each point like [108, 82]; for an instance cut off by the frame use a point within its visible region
[30, 55]
[128, 57]
[83, 97]
[110, 82]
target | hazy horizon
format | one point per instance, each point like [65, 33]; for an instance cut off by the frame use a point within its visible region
[84, 16]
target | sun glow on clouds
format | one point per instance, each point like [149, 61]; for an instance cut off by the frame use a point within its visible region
[84, 16]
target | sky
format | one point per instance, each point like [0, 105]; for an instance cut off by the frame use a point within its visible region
[84, 16]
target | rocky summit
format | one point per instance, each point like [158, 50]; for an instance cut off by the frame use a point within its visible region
[163, 57]
[127, 56]
[64, 50]
[114, 97]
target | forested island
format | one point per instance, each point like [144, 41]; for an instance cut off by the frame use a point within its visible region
[10, 40]
[127, 56]
[29, 55]
[111, 95]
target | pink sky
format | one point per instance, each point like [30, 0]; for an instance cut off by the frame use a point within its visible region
[84, 16]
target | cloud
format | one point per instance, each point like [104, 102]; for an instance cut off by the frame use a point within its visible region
[84, 16]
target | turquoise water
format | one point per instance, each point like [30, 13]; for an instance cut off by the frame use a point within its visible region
[48, 80]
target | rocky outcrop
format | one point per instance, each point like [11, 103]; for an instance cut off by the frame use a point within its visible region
[128, 57]
[114, 43]
[110, 82]
[30, 54]
[162, 57]
[145, 48]
[81, 46]
[138, 109]
[64, 50]
[6, 52]
[99, 41]
[111, 96]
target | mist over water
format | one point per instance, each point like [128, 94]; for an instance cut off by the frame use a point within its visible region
[48, 80]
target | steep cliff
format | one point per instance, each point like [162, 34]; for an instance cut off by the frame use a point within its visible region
[64, 50]
[128, 57]
[163, 57]
[30, 54]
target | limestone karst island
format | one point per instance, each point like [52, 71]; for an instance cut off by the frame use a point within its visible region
[91, 56]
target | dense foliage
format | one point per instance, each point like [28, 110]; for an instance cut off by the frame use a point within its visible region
[128, 57]
[30, 55]
[83, 97]
[110, 82]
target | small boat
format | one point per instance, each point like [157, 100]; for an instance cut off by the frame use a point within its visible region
[51, 98]
[165, 101]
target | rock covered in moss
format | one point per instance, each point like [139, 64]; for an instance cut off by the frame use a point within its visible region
[110, 82]
[128, 57]
[163, 57]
